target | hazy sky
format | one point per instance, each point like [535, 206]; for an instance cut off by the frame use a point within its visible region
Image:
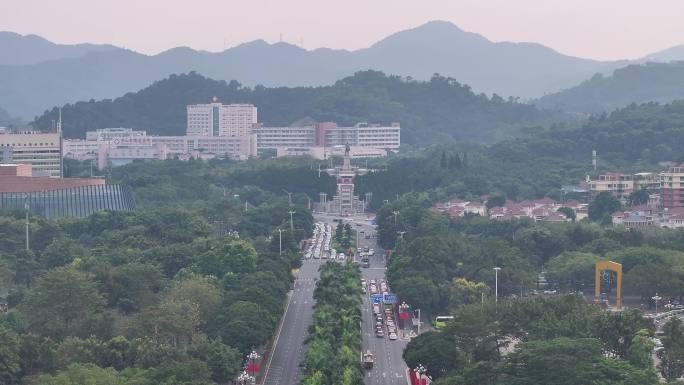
[600, 29]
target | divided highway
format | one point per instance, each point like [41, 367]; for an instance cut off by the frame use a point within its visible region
[289, 349]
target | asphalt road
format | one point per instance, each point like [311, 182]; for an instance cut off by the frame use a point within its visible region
[389, 367]
[289, 348]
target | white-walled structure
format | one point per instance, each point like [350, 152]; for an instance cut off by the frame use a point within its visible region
[217, 119]
[41, 150]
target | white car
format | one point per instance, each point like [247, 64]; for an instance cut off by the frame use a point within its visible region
[393, 336]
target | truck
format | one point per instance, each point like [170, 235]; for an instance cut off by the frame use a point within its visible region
[368, 360]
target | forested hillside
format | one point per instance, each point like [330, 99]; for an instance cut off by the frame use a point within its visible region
[651, 82]
[634, 138]
[6, 119]
[429, 111]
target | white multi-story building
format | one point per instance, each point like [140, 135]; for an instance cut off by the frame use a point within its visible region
[363, 135]
[240, 147]
[320, 140]
[296, 137]
[217, 119]
[115, 146]
[80, 149]
[377, 136]
[41, 150]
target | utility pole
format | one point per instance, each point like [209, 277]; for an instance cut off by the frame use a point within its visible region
[61, 145]
[395, 212]
[291, 221]
[280, 243]
[27, 208]
[496, 284]
[419, 322]
[289, 197]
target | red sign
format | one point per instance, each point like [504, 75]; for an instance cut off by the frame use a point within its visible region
[404, 315]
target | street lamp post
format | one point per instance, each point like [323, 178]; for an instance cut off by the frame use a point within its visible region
[253, 357]
[395, 212]
[27, 208]
[291, 223]
[656, 298]
[496, 284]
[420, 371]
[419, 322]
[280, 242]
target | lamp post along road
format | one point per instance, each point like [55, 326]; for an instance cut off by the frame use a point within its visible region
[420, 371]
[496, 284]
[27, 208]
[291, 222]
[280, 241]
[656, 298]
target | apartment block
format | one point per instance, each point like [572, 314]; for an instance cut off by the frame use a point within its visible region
[672, 187]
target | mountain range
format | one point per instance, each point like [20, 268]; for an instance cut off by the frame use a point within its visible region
[649, 82]
[34, 79]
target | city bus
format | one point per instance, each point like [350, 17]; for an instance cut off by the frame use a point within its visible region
[441, 321]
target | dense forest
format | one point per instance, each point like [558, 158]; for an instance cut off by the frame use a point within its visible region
[631, 139]
[429, 111]
[175, 293]
[202, 185]
[650, 82]
[560, 341]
